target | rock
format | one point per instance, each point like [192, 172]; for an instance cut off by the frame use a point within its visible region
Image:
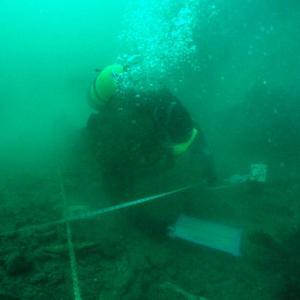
[158, 258]
[40, 278]
[156, 292]
[4, 296]
[47, 237]
[18, 264]
[111, 249]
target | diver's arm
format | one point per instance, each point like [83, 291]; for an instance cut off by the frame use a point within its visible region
[201, 156]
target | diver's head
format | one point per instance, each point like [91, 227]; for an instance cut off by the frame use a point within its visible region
[105, 86]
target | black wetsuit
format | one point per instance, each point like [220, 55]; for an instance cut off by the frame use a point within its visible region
[131, 136]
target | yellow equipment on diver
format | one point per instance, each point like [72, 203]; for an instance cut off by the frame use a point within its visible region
[182, 147]
[105, 86]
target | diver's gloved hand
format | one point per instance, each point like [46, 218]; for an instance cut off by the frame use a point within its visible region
[209, 170]
[203, 158]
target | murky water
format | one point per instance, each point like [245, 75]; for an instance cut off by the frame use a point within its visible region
[92, 200]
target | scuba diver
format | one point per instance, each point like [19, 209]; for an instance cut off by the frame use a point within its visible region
[134, 135]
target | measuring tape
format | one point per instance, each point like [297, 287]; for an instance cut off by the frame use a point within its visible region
[101, 211]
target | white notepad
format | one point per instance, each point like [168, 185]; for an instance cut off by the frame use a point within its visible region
[212, 235]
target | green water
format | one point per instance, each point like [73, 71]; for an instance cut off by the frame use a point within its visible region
[235, 67]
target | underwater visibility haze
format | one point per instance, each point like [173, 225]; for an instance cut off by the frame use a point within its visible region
[150, 149]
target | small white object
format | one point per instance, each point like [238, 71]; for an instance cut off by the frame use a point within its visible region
[258, 172]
